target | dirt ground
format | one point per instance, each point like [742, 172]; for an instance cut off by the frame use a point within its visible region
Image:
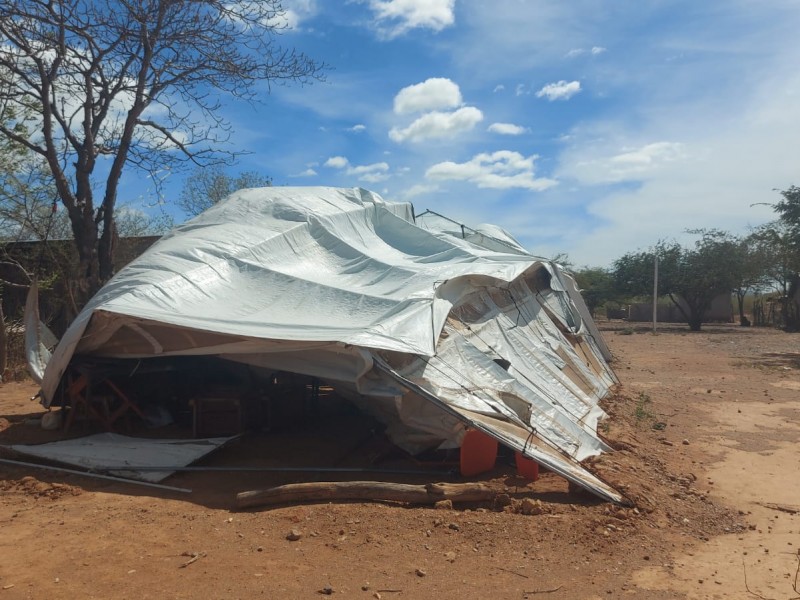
[706, 429]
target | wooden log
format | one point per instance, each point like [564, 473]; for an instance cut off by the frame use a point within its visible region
[317, 491]
[459, 492]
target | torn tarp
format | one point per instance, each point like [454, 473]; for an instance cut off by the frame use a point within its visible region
[328, 282]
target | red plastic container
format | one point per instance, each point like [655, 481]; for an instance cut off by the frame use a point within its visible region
[478, 453]
[527, 468]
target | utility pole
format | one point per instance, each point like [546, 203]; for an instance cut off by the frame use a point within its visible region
[655, 295]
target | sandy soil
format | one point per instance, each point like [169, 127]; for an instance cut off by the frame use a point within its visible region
[706, 428]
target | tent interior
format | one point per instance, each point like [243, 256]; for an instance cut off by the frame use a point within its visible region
[323, 309]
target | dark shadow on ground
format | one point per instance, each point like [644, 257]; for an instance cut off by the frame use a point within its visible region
[776, 360]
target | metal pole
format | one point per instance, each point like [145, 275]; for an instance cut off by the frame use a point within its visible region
[233, 469]
[655, 295]
[95, 475]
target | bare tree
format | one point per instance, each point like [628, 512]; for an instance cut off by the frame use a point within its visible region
[205, 187]
[26, 191]
[116, 82]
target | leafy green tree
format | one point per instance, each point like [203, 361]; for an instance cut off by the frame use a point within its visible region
[207, 186]
[773, 242]
[788, 210]
[596, 285]
[131, 82]
[782, 239]
[633, 273]
[750, 266]
[563, 259]
[694, 276]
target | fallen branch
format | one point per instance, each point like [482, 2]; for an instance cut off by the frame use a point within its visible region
[747, 586]
[792, 510]
[513, 572]
[544, 591]
[195, 556]
[317, 491]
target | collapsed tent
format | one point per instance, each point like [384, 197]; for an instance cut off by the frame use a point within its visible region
[428, 326]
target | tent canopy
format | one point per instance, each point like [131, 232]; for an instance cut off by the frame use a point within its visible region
[428, 326]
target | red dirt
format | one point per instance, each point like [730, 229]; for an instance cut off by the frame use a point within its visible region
[706, 428]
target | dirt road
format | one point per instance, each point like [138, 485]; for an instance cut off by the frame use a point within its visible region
[706, 428]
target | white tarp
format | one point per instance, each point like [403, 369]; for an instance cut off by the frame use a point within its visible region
[39, 340]
[327, 281]
[107, 450]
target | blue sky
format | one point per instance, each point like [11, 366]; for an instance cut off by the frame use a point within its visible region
[590, 128]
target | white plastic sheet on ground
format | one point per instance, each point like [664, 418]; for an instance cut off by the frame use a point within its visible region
[325, 281]
[108, 450]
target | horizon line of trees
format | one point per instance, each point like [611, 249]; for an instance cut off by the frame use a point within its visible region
[765, 261]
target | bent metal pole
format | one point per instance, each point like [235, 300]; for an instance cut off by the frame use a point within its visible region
[95, 475]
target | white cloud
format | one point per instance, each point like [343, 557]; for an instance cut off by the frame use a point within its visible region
[336, 162]
[364, 169]
[370, 173]
[438, 125]
[506, 129]
[418, 190]
[520, 90]
[598, 165]
[432, 94]
[400, 16]
[357, 128]
[373, 177]
[503, 169]
[560, 90]
[594, 51]
[294, 13]
[649, 154]
[498, 88]
[307, 173]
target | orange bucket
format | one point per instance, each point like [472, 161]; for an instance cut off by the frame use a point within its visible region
[478, 453]
[526, 467]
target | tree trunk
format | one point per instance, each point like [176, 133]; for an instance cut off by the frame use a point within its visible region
[105, 250]
[695, 322]
[87, 279]
[740, 300]
[791, 305]
[317, 491]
